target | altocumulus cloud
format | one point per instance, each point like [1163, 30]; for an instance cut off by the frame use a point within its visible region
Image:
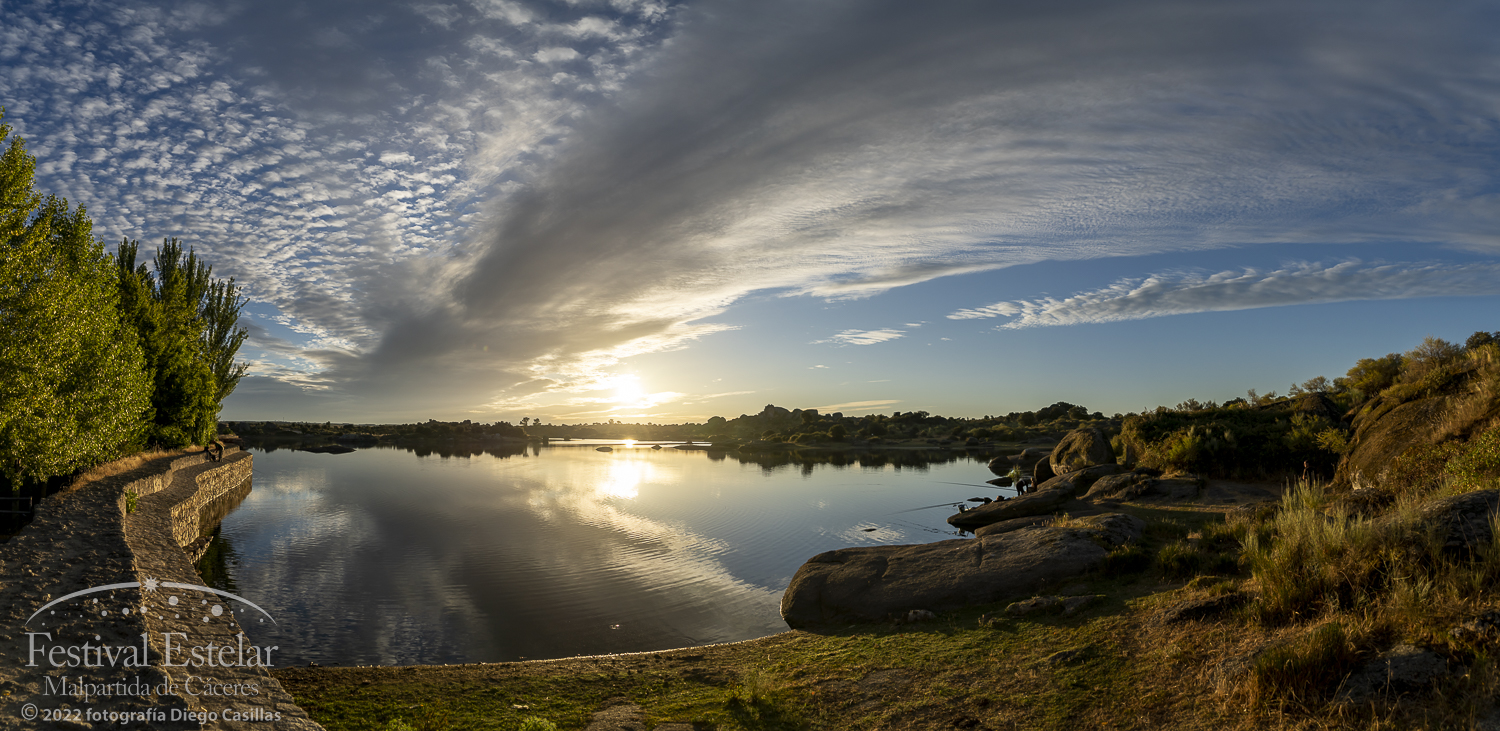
[1160, 295]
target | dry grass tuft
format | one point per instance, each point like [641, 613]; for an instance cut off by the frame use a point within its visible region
[119, 467]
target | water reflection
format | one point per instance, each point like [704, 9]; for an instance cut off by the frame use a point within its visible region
[497, 553]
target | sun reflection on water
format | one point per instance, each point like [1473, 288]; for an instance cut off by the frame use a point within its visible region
[624, 478]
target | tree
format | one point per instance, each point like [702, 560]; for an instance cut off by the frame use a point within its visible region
[1370, 376]
[187, 326]
[73, 390]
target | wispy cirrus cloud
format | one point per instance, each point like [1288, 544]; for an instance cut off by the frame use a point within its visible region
[860, 405]
[864, 337]
[1181, 293]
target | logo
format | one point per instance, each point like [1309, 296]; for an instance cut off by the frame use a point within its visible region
[68, 634]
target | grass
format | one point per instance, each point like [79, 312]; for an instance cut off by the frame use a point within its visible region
[951, 673]
[1114, 665]
[118, 467]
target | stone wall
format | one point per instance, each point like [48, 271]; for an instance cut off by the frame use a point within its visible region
[211, 484]
[91, 538]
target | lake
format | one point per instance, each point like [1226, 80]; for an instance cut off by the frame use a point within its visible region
[390, 557]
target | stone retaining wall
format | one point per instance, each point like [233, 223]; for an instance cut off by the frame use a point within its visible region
[91, 539]
[211, 484]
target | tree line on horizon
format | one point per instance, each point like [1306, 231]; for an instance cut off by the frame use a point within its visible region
[101, 356]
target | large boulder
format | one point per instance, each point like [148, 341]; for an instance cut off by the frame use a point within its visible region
[871, 583]
[1082, 447]
[1383, 430]
[1126, 486]
[1042, 472]
[1083, 479]
[1402, 418]
[1046, 501]
[1463, 520]
[1023, 460]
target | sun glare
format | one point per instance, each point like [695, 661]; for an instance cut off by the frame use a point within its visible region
[624, 479]
[628, 390]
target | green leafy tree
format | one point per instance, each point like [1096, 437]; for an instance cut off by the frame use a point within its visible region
[187, 328]
[73, 391]
[1370, 376]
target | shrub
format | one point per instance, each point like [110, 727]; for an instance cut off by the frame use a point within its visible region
[1124, 560]
[1232, 442]
[1179, 560]
[1315, 561]
[1305, 671]
[1370, 376]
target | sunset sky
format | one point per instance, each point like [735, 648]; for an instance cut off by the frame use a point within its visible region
[578, 210]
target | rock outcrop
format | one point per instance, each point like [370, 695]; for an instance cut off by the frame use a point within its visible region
[1045, 501]
[1463, 520]
[1401, 670]
[1023, 461]
[1383, 430]
[1083, 447]
[1042, 472]
[872, 583]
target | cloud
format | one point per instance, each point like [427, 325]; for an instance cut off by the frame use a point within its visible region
[864, 337]
[452, 222]
[554, 54]
[1180, 293]
[858, 405]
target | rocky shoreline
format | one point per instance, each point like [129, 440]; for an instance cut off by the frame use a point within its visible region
[78, 663]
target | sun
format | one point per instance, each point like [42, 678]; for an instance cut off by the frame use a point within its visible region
[628, 390]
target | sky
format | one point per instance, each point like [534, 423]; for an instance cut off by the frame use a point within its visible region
[582, 210]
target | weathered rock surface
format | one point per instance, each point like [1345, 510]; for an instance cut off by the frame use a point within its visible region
[1042, 472]
[1202, 608]
[1044, 501]
[1396, 421]
[1481, 630]
[1006, 526]
[1085, 478]
[1464, 519]
[872, 583]
[1083, 447]
[1402, 670]
[1067, 605]
[1022, 461]
[999, 482]
[1126, 486]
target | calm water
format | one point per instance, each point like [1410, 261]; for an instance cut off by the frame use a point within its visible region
[386, 557]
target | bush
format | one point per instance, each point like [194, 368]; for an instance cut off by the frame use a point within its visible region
[1232, 442]
[74, 389]
[1316, 561]
[1179, 560]
[1305, 671]
[1124, 560]
[1370, 376]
